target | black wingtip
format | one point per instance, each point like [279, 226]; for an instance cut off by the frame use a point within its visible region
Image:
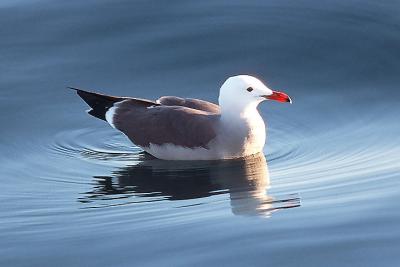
[99, 103]
[81, 92]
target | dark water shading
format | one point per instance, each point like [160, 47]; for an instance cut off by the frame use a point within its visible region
[77, 193]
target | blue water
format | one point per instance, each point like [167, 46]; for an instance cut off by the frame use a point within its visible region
[77, 193]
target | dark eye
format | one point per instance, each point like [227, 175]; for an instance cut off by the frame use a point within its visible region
[250, 89]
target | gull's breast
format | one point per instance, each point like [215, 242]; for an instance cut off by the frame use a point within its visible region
[241, 137]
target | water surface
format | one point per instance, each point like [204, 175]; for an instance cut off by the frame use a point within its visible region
[77, 193]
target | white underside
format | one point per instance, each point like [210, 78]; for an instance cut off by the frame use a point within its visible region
[174, 152]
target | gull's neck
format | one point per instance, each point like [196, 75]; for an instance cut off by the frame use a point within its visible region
[246, 111]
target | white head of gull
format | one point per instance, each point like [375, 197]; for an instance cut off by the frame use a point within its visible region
[174, 128]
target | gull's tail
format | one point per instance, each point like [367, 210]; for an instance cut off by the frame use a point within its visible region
[99, 103]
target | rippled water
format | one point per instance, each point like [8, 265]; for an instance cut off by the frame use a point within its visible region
[77, 193]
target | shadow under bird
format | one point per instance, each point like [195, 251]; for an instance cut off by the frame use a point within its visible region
[174, 128]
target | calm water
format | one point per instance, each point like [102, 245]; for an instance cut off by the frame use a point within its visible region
[77, 193]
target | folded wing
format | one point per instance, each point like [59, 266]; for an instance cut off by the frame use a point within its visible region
[162, 124]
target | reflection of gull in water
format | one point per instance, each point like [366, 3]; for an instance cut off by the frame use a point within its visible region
[246, 181]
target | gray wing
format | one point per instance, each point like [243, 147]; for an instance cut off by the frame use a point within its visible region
[190, 103]
[158, 124]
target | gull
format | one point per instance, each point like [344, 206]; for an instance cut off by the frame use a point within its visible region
[174, 128]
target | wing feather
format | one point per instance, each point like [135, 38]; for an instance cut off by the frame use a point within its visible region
[190, 103]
